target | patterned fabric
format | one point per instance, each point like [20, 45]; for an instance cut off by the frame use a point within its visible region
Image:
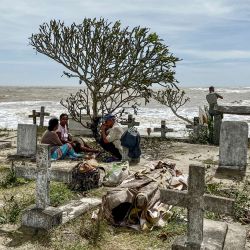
[63, 151]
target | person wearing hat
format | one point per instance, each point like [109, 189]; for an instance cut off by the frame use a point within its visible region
[111, 133]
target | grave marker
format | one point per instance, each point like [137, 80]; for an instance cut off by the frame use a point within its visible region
[40, 114]
[163, 129]
[26, 140]
[130, 122]
[196, 202]
[233, 145]
[42, 215]
[76, 128]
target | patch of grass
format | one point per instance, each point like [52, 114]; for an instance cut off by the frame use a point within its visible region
[180, 152]
[59, 194]
[96, 192]
[10, 179]
[210, 161]
[11, 211]
[241, 195]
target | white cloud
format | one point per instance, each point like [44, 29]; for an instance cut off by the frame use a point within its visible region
[196, 30]
[216, 54]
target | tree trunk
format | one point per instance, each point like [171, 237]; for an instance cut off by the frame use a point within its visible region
[181, 117]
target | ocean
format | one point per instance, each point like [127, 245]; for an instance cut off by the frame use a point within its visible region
[17, 103]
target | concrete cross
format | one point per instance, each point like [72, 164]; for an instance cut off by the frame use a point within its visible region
[43, 176]
[41, 215]
[40, 114]
[196, 202]
[130, 122]
[163, 129]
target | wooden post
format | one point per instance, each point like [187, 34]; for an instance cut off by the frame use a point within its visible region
[42, 116]
[217, 126]
[34, 116]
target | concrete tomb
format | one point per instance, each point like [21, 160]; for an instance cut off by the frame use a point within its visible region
[220, 110]
[209, 235]
[42, 215]
[76, 128]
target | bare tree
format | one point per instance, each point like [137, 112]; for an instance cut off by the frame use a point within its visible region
[174, 99]
[116, 65]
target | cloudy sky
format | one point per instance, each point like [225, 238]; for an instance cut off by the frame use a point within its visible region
[211, 36]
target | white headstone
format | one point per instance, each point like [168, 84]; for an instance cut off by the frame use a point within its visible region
[233, 145]
[26, 139]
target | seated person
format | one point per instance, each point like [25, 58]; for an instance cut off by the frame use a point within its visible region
[111, 133]
[58, 149]
[65, 137]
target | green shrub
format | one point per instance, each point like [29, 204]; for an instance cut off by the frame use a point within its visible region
[59, 194]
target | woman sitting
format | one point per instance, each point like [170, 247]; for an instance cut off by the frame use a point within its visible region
[58, 150]
[65, 137]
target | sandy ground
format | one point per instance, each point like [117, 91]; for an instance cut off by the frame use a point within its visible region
[183, 154]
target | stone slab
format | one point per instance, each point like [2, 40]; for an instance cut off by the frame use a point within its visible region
[214, 234]
[5, 144]
[233, 145]
[59, 171]
[75, 128]
[41, 218]
[78, 207]
[26, 139]
[236, 237]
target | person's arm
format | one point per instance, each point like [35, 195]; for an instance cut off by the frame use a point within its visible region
[219, 96]
[103, 134]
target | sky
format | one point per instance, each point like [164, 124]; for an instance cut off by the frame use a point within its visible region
[212, 37]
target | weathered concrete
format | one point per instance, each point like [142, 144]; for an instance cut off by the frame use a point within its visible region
[77, 207]
[233, 145]
[76, 128]
[214, 234]
[235, 238]
[41, 215]
[163, 129]
[236, 110]
[26, 139]
[42, 218]
[43, 179]
[217, 129]
[196, 203]
[59, 171]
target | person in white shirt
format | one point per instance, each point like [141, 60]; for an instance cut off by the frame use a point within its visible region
[111, 133]
[65, 137]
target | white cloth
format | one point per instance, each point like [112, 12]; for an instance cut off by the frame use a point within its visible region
[114, 135]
